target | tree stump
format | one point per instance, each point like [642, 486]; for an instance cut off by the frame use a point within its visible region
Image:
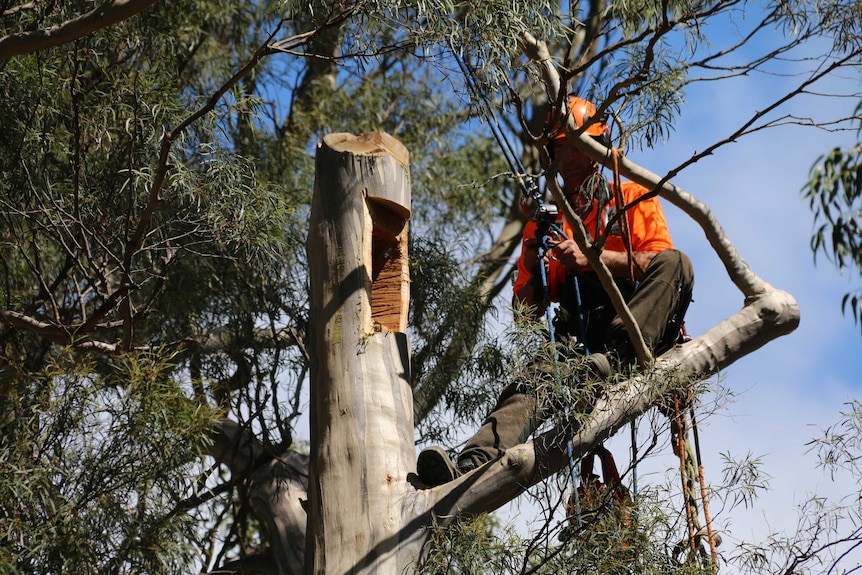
[361, 402]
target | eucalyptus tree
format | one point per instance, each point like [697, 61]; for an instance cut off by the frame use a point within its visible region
[137, 256]
[156, 181]
[156, 190]
[834, 193]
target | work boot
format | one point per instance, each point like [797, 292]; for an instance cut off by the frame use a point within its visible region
[434, 467]
[598, 366]
[590, 378]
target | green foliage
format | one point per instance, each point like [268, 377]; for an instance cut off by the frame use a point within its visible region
[640, 539]
[93, 133]
[834, 194]
[470, 547]
[436, 21]
[841, 19]
[743, 481]
[95, 467]
[150, 274]
[453, 182]
[447, 319]
[838, 446]
[106, 248]
[637, 538]
[637, 17]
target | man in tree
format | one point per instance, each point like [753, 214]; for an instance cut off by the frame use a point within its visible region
[655, 279]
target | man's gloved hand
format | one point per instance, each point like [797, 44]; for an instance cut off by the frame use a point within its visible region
[566, 252]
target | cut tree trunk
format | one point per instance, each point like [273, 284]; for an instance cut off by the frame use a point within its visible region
[366, 514]
[361, 405]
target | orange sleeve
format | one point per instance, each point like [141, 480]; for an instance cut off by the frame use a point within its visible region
[524, 275]
[556, 271]
[647, 224]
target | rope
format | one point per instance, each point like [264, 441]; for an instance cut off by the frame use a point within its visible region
[691, 466]
[682, 451]
[709, 533]
[528, 184]
[634, 460]
[573, 468]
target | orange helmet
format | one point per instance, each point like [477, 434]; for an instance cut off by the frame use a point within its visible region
[582, 111]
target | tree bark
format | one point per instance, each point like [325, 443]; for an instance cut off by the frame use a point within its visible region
[364, 513]
[361, 406]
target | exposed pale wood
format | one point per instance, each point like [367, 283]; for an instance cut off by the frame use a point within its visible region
[390, 270]
[361, 405]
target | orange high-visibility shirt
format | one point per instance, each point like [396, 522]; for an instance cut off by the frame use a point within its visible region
[647, 226]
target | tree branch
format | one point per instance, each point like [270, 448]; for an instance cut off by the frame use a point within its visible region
[492, 485]
[109, 13]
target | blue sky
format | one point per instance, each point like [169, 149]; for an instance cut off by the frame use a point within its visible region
[798, 384]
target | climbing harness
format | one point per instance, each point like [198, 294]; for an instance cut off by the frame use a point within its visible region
[545, 215]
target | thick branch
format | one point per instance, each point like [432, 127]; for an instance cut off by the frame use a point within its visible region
[40, 328]
[764, 318]
[108, 14]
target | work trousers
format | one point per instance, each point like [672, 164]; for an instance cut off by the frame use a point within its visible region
[658, 304]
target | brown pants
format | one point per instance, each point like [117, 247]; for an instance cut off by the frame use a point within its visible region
[658, 304]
